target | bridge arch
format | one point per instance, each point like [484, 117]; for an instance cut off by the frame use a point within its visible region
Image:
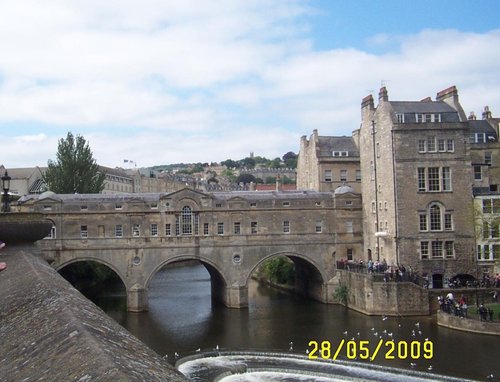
[218, 280]
[97, 260]
[310, 278]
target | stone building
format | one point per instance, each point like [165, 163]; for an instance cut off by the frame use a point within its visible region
[231, 233]
[429, 183]
[326, 163]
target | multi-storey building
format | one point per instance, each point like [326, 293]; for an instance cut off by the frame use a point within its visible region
[421, 164]
[326, 163]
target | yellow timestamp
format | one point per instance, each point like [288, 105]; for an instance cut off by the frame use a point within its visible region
[365, 350]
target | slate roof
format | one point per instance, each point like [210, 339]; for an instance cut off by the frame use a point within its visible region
[482, 126]
[329, 144]
[448, 114]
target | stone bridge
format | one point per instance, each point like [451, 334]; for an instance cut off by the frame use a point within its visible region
[231, 234]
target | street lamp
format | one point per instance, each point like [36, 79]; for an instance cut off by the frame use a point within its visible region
[6, 186]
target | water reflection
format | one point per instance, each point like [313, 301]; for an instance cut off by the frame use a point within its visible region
[182, 318]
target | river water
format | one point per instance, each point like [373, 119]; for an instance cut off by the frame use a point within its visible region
[182, 319]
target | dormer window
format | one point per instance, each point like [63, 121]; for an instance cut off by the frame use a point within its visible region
[340, 153]
[427, 117]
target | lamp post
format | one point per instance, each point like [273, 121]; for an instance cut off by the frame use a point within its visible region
[6, 186]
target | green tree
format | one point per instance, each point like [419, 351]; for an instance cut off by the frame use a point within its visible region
[290, 159]
[245, 178]
[75, 170]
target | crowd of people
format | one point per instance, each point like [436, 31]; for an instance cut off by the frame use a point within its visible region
[459, 307]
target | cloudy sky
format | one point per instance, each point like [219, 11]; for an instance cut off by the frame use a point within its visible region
[168, 81]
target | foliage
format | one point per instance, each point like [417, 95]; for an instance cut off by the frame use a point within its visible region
[245, 179]
[279, 270]
[89, 276]
[75, 170]
[341, 293]
[290, 159]
[228, 173]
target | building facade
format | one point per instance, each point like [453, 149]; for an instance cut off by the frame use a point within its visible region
[326, 163]
[429, 180]
[231, 233]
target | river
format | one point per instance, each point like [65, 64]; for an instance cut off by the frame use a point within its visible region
[182, 318]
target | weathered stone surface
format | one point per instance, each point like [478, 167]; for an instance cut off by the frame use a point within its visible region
[468, 325]
[49, 331]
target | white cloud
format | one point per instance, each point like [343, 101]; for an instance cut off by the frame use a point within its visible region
[165, 81]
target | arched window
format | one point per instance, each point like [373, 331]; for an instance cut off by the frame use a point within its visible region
[187, 220]
[435, 217]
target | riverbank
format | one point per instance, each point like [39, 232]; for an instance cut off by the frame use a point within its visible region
[468, 324]
[49, 331]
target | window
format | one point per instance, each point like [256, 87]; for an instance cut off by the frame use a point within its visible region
[427, 117]
[253, 204]
[154, 229]
[449, 251]
[477, 173]
[374, 208]
[205, 229]
[421, 179]
[349, 254]
[52, 233]
[437, 249]
[286, 204]
[154, 206]
[448, 222]
[450, 145]
[118, 230]
[317, 204]
[358, 175]
[187, 220]
[237, 228]
[84, 232]
[349, 227]
[343, 175]
[136, 230]
[220, 228]
[218, 205]
[400, 118]
[435, 217]
[328, 175]
[118, 206]
[446, 179]
[424, 249]
[84, 208]
[423, 222]
[286, 226]
[441, 145]
[168, 229]
[434, 179]
[47, 208]
[377, 149]
[487, 158]
[319, 226]
[422, 147]
[253, 227]
[340, 153]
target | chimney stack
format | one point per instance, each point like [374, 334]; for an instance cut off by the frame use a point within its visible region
[368, 102]
[486, 113]
[450, 96]
[382, 95]
[472, 116]
[278, 183]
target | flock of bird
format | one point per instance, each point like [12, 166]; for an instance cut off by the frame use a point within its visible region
[416, 332]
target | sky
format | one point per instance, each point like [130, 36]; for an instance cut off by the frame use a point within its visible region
[169, 81]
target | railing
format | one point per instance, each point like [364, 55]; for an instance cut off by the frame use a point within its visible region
[384, 273]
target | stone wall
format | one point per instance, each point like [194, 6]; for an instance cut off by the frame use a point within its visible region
[381, 298]
[49, 331]
[468, 325]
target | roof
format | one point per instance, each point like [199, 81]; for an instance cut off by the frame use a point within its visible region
[272, 187]
[448, 113]
[262, 195]
[482, 126]
[329, 144]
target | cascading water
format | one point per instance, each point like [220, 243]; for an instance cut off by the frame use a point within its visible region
[258, 366]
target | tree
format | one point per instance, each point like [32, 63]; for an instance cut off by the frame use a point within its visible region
[290, 159]
[75, 170]
[245, 178]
